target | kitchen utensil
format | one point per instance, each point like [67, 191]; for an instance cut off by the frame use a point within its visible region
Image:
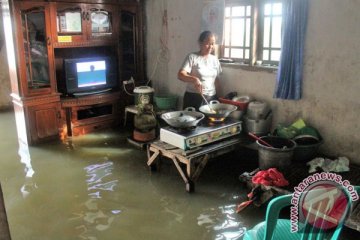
[258, 126]
[306, 148]
[222, 110]
[183, 119]
[279, 156]
[260, 140]
[208, 103]
[257, 110]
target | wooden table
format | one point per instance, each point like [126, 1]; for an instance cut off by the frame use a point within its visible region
[195, 160]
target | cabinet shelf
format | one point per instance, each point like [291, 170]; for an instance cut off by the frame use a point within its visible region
[88, 113]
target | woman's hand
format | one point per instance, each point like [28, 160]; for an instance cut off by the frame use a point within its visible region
[186, 77]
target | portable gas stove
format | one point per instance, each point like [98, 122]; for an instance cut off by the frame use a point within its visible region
[205, 133]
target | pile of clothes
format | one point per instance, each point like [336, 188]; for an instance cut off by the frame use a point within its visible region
[262, 190]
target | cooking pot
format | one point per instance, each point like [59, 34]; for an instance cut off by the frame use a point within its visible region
[257, 110]
[258, 126]
[183, 119]
[217, 110]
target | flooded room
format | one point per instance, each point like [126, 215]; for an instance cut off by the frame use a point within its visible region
[193, 119]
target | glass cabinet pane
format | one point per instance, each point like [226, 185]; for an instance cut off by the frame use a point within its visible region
[100, 22]
[69, 21]
[35, 48]
[128, 45]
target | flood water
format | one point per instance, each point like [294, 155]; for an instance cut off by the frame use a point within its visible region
[98, 186]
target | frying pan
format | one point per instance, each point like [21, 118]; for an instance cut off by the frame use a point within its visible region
[183, 119]
[217, 110]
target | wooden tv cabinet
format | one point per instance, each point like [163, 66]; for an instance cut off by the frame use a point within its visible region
[41, 34]
[81, 115]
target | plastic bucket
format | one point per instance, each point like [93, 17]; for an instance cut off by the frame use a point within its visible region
[143, 95]
[307, 148]
[279, 156]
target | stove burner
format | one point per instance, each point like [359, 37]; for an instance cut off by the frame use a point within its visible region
[216, 120]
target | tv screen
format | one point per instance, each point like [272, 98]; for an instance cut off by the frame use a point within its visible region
[92, 73]
[89, 75]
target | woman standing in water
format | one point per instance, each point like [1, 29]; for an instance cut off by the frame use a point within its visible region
[200, 71]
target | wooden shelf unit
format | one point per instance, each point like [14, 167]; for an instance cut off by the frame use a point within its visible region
[42, 36]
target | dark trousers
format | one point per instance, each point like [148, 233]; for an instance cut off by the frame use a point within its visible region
[195, 100]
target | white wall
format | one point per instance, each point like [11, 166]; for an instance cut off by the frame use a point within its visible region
[331, 99]
[5, 89]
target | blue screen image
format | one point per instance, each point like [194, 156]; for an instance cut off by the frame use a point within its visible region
[92, 73]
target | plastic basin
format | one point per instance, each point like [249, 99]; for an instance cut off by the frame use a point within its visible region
[166, 102]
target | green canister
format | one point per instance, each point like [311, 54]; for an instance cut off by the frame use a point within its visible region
[143, 95]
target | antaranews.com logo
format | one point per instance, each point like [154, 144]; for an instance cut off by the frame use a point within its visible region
[323, 199]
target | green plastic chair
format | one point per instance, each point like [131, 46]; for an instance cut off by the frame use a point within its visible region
[274, 228]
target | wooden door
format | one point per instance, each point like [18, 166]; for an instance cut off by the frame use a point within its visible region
[44, 122]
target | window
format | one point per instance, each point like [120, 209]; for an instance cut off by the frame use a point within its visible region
[252, 31]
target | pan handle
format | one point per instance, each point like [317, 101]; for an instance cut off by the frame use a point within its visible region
[214, 102]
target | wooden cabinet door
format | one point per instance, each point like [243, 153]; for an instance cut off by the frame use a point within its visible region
[35, 53]
[68, 23]
[130, 43]
[102, 22]
[77, 24]
[44, 122]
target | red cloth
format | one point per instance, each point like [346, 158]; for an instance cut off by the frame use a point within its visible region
[270, 177]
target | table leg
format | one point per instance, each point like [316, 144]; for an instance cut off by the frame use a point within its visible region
[200, 168]
[183, 175]
[125, 117]
[190, 186]
[152, 158]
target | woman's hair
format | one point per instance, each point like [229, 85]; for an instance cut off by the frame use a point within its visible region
[204, 35]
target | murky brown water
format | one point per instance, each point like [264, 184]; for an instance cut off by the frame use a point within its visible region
[99, 187]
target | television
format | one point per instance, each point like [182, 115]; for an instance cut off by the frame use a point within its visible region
[89, 75]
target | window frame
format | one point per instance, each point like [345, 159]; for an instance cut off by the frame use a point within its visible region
[257, 34]
[242, 3]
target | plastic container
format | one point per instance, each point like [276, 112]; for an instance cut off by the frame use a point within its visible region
[166, 102]
[279, 156]
[307, 148]
[144, 95]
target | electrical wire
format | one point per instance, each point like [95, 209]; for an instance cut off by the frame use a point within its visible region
[163, 55]
[125, 84]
